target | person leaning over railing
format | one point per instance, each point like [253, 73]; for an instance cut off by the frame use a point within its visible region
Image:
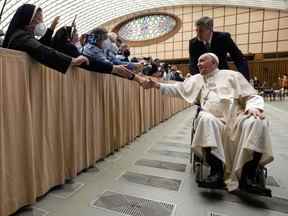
[20, 36]
[94, 50]
[63, 42]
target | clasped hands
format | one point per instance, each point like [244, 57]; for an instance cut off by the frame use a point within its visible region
[256, 113]
[148, 83]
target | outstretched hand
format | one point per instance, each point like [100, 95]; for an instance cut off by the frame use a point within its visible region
[150, 83]
[80, 60]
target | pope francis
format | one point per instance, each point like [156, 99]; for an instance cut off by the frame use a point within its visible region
[232, 133]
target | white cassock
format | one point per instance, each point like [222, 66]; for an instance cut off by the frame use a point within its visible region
[224, 96]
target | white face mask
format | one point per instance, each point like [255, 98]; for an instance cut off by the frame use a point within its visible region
[40, 30]
[105, 44]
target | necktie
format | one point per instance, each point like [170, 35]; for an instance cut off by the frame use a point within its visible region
[207, 46]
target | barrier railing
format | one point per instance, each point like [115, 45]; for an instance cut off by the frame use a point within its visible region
[52, 126]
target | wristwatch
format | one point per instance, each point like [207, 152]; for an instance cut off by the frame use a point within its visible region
[131, 76]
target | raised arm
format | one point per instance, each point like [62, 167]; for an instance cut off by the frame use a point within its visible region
[170, 89]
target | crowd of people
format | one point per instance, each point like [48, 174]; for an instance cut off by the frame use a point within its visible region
[271, 91]
[99, 50]
[221, 93]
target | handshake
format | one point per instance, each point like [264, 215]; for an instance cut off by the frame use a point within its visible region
[147, 83]
[124, 72]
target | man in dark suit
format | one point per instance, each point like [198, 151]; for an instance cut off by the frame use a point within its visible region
[219, 43]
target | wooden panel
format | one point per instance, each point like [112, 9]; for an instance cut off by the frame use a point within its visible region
[197, 15]
[197, 9]
[230, 11]
[219, 21]
[187, 10]
[187, 17]
[271, 14]
[169, 55]
[270, 47]
[270, 36]
[243, 18]
[271, 24]
[242, 39]
[283, 22]
[168, 46]
[242, 10]
[231, 29]
[218, 12]
[282, 46]
[178, 54]
[283, 34]
[160, 47]
[256, 27]
[256, 37]
[208, 13]
[187, 36]
[242, 28]
[256, 15]
[188, 27]
[230, 20]
[255, 48]
[178, 45]
[283, 14]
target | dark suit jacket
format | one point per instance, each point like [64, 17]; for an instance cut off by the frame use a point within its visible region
[221, 44]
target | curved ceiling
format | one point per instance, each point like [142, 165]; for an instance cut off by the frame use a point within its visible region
[92, 13]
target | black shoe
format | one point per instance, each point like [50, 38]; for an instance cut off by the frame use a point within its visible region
[253, 180]
[251, 186]
[213, 181]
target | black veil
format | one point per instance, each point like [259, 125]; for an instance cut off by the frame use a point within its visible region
[21, 18]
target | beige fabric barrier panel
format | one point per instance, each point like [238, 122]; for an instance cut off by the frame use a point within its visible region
[53, 126]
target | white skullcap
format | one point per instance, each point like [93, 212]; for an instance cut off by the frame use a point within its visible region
[214, 57]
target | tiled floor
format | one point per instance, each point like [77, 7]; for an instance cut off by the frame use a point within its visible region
[148, 156]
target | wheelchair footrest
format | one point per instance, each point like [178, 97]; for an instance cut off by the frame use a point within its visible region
[262, 192]
[203, 184]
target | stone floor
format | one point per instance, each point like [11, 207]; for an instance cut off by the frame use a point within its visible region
[152, 177]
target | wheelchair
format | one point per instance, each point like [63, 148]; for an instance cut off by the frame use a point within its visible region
[199, 166]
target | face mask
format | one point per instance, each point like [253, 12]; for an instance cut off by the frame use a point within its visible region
[40, 30]
[105, 44]
[78, 45]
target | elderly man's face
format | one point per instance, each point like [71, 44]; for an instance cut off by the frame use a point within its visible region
[206, 64]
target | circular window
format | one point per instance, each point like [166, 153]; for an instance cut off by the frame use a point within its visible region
[148, 29]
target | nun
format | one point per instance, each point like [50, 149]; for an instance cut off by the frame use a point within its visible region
[27, 23]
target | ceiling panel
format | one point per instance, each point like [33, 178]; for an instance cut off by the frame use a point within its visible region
[92, 13]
